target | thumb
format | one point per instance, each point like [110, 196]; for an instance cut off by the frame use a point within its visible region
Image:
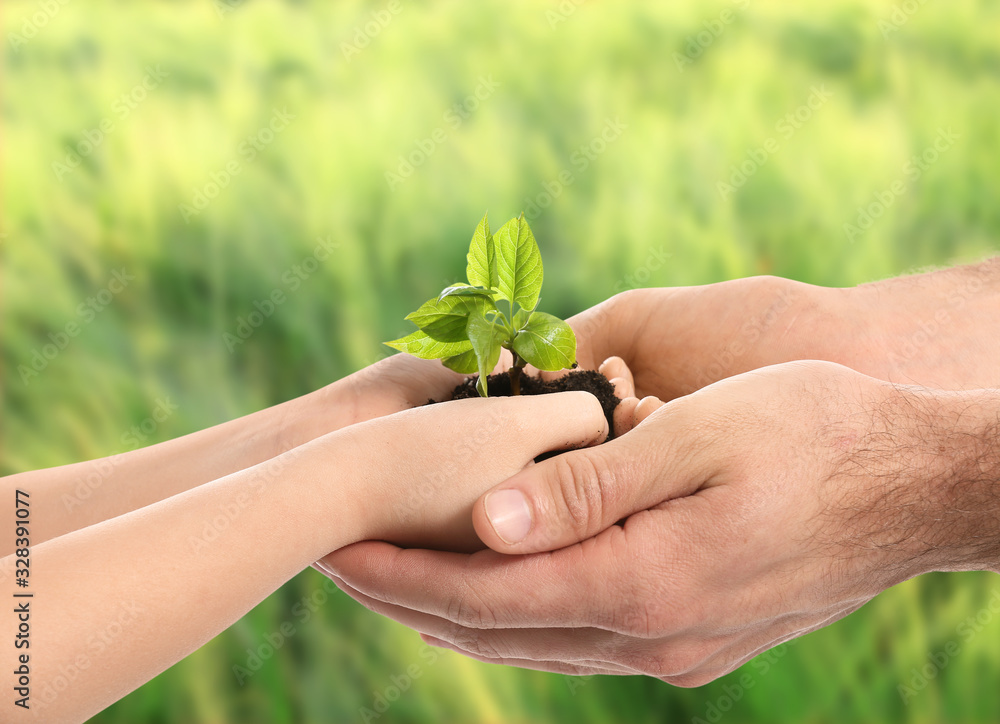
[576, 495]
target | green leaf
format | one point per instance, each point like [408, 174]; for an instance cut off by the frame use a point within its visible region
[445, 319]
[482, 268]
[521, 317]
[546, 342]
[464, 290]
[419, 344]
[465, 363]
[519, 263]
[486, 333]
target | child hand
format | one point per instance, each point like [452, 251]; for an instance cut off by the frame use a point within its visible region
[421, 470]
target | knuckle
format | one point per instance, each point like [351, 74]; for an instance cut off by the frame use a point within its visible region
[477, 643]
[650, 664]
[580, 483]
[645, 619]
[471, 611]
[673, 661]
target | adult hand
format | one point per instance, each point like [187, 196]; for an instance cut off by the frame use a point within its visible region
[423, 468]
[905, 330]
[756, 510]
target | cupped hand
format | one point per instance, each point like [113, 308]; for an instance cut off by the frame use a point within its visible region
[416, 474]
[428, 464]
[756, 510]
[677, 340]
[398, 383]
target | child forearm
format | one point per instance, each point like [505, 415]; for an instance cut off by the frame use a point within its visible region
[169, 577]
[82, 494]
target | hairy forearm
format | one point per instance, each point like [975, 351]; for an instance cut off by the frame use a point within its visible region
[82, 494]
[161, 581]
[960, 483]
[920, 489]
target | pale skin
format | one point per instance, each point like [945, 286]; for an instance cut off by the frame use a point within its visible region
[776, 499]
[158, 556]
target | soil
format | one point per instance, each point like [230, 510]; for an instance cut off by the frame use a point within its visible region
[588, 380]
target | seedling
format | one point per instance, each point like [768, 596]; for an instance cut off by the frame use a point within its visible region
[467, 324]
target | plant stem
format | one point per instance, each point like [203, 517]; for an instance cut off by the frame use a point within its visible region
[515, 375]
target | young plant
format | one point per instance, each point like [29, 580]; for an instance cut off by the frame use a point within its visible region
[467, 324]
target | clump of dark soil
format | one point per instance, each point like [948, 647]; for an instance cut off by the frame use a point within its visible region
[588, 380]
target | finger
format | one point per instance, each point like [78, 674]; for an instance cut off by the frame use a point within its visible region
[646, 407]
[528, 424]
[554, 667]
[582, 646]
[582, 584]
[558, 421]
[615, 369]
[574, 496]
[624, 416]
[578, 646]
[622, 388]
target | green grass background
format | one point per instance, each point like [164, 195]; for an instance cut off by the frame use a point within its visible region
[562, 70]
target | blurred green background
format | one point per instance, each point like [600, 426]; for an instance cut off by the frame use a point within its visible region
[119, 116]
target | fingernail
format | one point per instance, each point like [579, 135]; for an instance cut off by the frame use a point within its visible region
[509, 514]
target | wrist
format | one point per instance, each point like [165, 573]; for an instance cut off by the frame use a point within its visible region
[914, 325]
[325, 481]
[308, 417]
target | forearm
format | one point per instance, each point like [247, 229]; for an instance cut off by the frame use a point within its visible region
[940, 329]
[958, 481]
[170, 576]
[920, 489]
[124, 599]
[82, 494]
